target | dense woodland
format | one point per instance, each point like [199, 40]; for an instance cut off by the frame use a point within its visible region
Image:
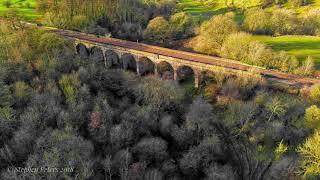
[58, 109]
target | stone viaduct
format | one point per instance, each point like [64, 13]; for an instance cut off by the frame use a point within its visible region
[142, 63]
[167, 63]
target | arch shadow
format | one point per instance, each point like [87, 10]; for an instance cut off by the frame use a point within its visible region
[82, 51]
[185, 75]
[165, 70]
[145, 66]
[112, 59]
[128, 62]
[96, 55]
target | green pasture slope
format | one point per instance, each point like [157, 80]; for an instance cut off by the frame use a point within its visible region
[26, 8]
[300, 46]
[201, 11]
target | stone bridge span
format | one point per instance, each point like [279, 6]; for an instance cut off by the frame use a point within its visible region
[167, 63]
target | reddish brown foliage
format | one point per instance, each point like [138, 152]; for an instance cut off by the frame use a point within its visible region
[95, 120]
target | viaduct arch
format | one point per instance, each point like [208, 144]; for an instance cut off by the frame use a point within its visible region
[141, 63]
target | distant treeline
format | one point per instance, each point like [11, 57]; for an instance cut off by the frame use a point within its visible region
[130, 15]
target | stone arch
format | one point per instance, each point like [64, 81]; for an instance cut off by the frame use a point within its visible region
[145, 66]
[112, 59]
[185, 74]
[82, 51]
[96, 55]
[165, 70]
[129, 62]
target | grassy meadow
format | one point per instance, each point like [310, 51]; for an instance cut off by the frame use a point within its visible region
[299, 46]
[26, 8]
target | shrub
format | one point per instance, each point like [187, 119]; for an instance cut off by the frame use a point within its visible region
[151, 149]
[200, 115]
[259, 54]
[22, 92]
[277, 107]
[311, 152]
[310, 22]
[157, 30]
[280, 150]
[7, 3]
[51, 42]
[213, 32]
[70, 85]
[283, 62]
[160, 94]
[6, 98]
[307, 68]
[236, 46]
[283, 22]
[7, 113]
[315, 93]
[257, 21]
[131, 31]
[241, 87]
[299, 3]
[312, 117]
[79, 22]
[181, 25]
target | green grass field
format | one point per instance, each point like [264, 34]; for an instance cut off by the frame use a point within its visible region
[201, 11]
[26, 8]
[299, 46]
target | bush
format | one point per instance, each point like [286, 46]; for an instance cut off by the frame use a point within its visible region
[22, 92]
[79, 22]
[7, 3]
[315, 93]
[151, 149]
[310, 22]
[213, 32]
[312, 117]
[280, 150]
[241, 87]
[259, 54]
[160, 94]
[283, 62]
[200, 115]
[257, 21]
[181, 25]
[6, 98]
[70, 85]
[299, 3]
[307, 68]
[311, 152]
[131, 31]
[158, 30]
[283, 22]
[236, 46]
